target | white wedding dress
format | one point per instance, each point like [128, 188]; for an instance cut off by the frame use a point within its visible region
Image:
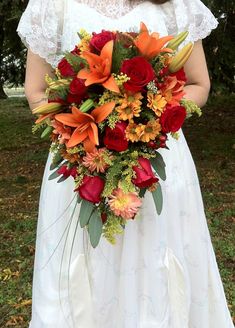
[162, 273]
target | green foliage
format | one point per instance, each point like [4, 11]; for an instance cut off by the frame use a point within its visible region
[75, 61]
[95, 228]
[219, 47]
[112, 227]
[85, 212]
[12, 51]
[120, 52]
[159, 165]
[191, 107]
[157, 197]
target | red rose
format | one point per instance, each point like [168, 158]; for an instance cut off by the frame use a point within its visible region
[77, 91]
[172, 118]
[66, 172]
[65, 68]
[144, 174]
[115, 139]
[180, 75]
[91, 189]
[140, 72]
[98, 40]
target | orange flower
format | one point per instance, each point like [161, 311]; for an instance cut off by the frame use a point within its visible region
[86, 129]
[95, 161]
[99, 68]
[63, 132]
[173, 90]
[150, 45]
[131, 133]
[130, 106]
[149, 131]
[157, 103]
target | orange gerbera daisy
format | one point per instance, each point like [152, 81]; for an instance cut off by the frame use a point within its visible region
[156, 102]
[99, 68]
[123, 204]
[131, 133]
[130, 106]
[149, 131]
[150, 45]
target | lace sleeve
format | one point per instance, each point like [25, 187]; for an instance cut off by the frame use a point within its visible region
[41, 28]
[193, 16]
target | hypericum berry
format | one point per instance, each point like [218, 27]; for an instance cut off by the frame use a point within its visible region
[163, 138]
[104, 217]
[152, 144]
[163, 145]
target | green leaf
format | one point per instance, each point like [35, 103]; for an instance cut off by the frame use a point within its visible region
[79, 199]
[95, 228]
[119, 54]
[46, 133]
[158, 199]
[86, 210]
[54, 175]
[75, 61]
[62, 178]
[159, 166]
[57, 159]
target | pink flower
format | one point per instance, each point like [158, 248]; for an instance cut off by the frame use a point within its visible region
[123, 204]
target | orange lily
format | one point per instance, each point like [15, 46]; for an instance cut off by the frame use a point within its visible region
[150, 45]
[99, 68]
[86, 129]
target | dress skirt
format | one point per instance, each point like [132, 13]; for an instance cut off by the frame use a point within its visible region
[162, 272]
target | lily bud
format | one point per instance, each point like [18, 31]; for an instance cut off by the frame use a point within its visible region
[181, 57]
[47, 108]
[176, 42]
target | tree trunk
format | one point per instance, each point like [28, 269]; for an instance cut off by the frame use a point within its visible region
[2, 92]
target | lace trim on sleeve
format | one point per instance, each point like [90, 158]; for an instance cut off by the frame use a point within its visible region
[194, 16]
[41, 28]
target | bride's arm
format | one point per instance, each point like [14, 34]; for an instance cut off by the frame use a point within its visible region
[198, 84]
[35, 85]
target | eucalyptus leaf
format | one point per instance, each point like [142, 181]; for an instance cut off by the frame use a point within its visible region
[158, 199]
[159, 166]
[95, 228]
[57, 159]
[54, 175]
[86, 210]
[62, 178]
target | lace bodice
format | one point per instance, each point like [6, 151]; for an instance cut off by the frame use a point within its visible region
[49, 27]
[112, 8]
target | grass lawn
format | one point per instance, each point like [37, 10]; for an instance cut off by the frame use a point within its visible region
[22, 160]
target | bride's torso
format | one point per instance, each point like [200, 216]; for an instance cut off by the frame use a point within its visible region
[115, 15]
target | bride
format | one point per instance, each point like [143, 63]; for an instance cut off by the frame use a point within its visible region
[162, 273]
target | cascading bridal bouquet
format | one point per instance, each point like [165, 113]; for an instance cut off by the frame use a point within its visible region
[111, 105]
